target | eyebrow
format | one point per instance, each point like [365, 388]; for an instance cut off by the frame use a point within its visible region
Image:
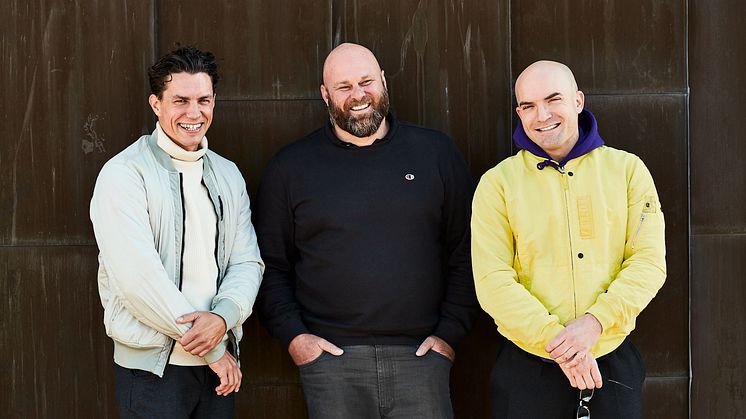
[187, 98]
[347, 83]
[546, 98]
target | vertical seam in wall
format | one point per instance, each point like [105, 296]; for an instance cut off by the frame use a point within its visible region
[510, 75]
[688, 198]
[154, 32]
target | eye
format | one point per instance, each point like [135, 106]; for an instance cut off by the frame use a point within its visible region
[343, 88]
[366, 82]
[526, 107]
[179, 101]
[205, 101]
[555, 99]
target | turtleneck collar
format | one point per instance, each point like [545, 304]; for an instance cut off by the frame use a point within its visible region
[588, 140]
[176, 152]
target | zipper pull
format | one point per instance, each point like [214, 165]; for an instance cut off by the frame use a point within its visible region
[634, 239]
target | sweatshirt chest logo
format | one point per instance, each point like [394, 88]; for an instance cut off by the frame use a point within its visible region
[409, 176]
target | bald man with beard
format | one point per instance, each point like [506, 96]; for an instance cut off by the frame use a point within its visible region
[364, 227]
[568, 248]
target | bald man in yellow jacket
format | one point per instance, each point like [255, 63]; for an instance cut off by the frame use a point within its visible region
[568, 248]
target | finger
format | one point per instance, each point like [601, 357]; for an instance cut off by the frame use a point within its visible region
[425, 346]
[207, 347]
[223, 383]
[556, 341]
[240, 377]
[596, 374]
[187, 318]
[563, 351]
[580, 381]
[330, 347]
[574, 361]
[193, 345]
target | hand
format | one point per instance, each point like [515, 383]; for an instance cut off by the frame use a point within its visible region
[230, 375]
[208, 329]
[575, 341]
[438, 345]
[585, 374]
[306, 347]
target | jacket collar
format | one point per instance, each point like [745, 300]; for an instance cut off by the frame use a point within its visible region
[588, 141]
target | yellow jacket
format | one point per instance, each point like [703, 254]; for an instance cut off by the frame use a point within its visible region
[549, 246]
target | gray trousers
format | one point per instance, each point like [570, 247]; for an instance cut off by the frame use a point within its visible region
[377, 381]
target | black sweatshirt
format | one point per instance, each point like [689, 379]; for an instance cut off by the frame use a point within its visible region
[367, 245]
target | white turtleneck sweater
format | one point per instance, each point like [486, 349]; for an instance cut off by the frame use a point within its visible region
[199, 280]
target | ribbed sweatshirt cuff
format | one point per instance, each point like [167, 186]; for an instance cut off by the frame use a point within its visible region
[290, 329]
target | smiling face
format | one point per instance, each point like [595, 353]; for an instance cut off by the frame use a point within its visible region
[548, 104]
[354, 90]
[185, 108]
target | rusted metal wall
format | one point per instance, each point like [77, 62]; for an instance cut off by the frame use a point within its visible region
[74, 94]
[718, 212]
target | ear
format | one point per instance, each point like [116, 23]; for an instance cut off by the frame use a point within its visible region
[155, 104]
[579, 101]
[324, 94]
[383, 79]
[518, 111]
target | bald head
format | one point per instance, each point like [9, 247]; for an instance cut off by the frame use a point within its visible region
[349, 57]
[559, 74]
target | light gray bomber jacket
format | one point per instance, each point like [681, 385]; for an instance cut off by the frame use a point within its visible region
[138, 218]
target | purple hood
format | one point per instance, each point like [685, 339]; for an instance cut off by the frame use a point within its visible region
[589, 140]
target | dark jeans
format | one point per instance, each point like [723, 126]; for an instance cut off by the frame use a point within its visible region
[524, 386]
[183, 392]
[377, 381]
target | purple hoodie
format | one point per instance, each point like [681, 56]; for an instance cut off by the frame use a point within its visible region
[588, 141]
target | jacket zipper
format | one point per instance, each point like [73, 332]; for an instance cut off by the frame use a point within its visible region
[181, 258]
[639, 227]
[566, 188]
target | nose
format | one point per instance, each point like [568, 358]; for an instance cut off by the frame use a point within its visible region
[543, 112]
[358, 92]
[193, 110]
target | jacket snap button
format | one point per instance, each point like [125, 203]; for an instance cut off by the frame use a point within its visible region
[569, 173]
[580, 255]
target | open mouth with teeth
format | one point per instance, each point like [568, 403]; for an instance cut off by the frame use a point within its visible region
[360, 107]
[548, 127]
[191, 127]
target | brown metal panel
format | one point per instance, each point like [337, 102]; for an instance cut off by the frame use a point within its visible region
[74, 88]
[666, 398]
[613, 46]
[446, 64]
[718, 332]
[470, 376]
[251, 132]
[266, 49]
[718, 65]
[271, 402]
[654, 128]
[57, 359]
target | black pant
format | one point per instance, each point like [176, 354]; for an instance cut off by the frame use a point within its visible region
[182, 393]
[524, 386]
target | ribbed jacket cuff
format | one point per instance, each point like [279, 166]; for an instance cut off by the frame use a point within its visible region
[229, 311]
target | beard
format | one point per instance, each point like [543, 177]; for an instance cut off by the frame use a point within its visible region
[364, 125]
